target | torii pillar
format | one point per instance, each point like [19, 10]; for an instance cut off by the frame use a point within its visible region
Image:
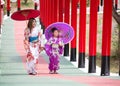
[0, 17]
[116, 4]
[74, 25]
[8, 7]
[18, 4]
[60, 11]
[106, 38]
[67, 20]
[1, 13]
[93, 36]
[82, 36]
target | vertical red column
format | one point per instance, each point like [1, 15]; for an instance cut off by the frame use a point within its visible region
[82, 32]
[8, 7]
[46, 12]
[60, 10]
[67, 11]
[0, 17]
[55, 10]
[106, 38]
[52, 20]
[50, 12]
[116, 4]
[74, 25]
[98, 5]
[42, 13]
[49, 9]
[18, 3]
[93, 36]
[66, 20]
[35, 6]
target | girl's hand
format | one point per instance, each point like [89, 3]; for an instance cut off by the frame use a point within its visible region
[61, 44]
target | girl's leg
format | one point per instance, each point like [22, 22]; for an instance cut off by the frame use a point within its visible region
[56, 64]
[51, 65]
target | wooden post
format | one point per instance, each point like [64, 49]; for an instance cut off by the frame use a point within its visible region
[93, 36]
[67, 20]
[82, 34]
[55, 10]
[74, 25]
[8, 7]
[18, 5]
[116, 4]
[0, 17]
[106, 38]
[60, 11]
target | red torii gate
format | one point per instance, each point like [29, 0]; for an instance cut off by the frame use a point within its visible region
[0, 17]
[52, 11]
[93, 31]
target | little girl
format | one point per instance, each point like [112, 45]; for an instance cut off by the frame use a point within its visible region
[54, 48]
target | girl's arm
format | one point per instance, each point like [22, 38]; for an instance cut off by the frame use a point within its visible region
[48, 47]
[61, 47]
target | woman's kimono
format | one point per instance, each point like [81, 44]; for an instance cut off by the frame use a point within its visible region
[54, 49]
[34, 42]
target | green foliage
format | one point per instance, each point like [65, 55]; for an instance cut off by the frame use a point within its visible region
[88, 3]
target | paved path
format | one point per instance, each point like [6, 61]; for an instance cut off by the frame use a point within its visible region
[13, 70]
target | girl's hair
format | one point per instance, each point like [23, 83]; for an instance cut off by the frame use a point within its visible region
[54, 29]
[30, 24]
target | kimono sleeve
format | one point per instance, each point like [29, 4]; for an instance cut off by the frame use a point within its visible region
[26, 34]
[48, 47]
[61, 48]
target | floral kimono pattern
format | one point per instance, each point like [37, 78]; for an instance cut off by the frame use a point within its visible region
[32, 42]
[54, 49]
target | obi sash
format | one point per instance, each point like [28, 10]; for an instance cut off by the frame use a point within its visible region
[33, 39]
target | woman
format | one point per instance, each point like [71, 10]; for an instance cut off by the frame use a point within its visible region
[32, 40]
[54, 48]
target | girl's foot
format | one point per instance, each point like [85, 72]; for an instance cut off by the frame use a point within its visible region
[55, 72]
[51, 72]
[30, 73]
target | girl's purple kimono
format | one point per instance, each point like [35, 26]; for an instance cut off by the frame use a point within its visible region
[54, 48]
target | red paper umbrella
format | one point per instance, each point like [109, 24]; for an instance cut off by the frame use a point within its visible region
[25, 14]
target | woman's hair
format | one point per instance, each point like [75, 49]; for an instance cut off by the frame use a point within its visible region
[30, 23]
[54, 29]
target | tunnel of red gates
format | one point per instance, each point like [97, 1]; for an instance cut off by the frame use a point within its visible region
[66, 11]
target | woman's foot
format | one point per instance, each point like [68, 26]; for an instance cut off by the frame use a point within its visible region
[32, 73]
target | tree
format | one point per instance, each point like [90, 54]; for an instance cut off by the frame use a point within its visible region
[25, 1]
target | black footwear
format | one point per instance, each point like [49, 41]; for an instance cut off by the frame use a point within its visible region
[55, 72]
[30, 73]
[51, 72]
